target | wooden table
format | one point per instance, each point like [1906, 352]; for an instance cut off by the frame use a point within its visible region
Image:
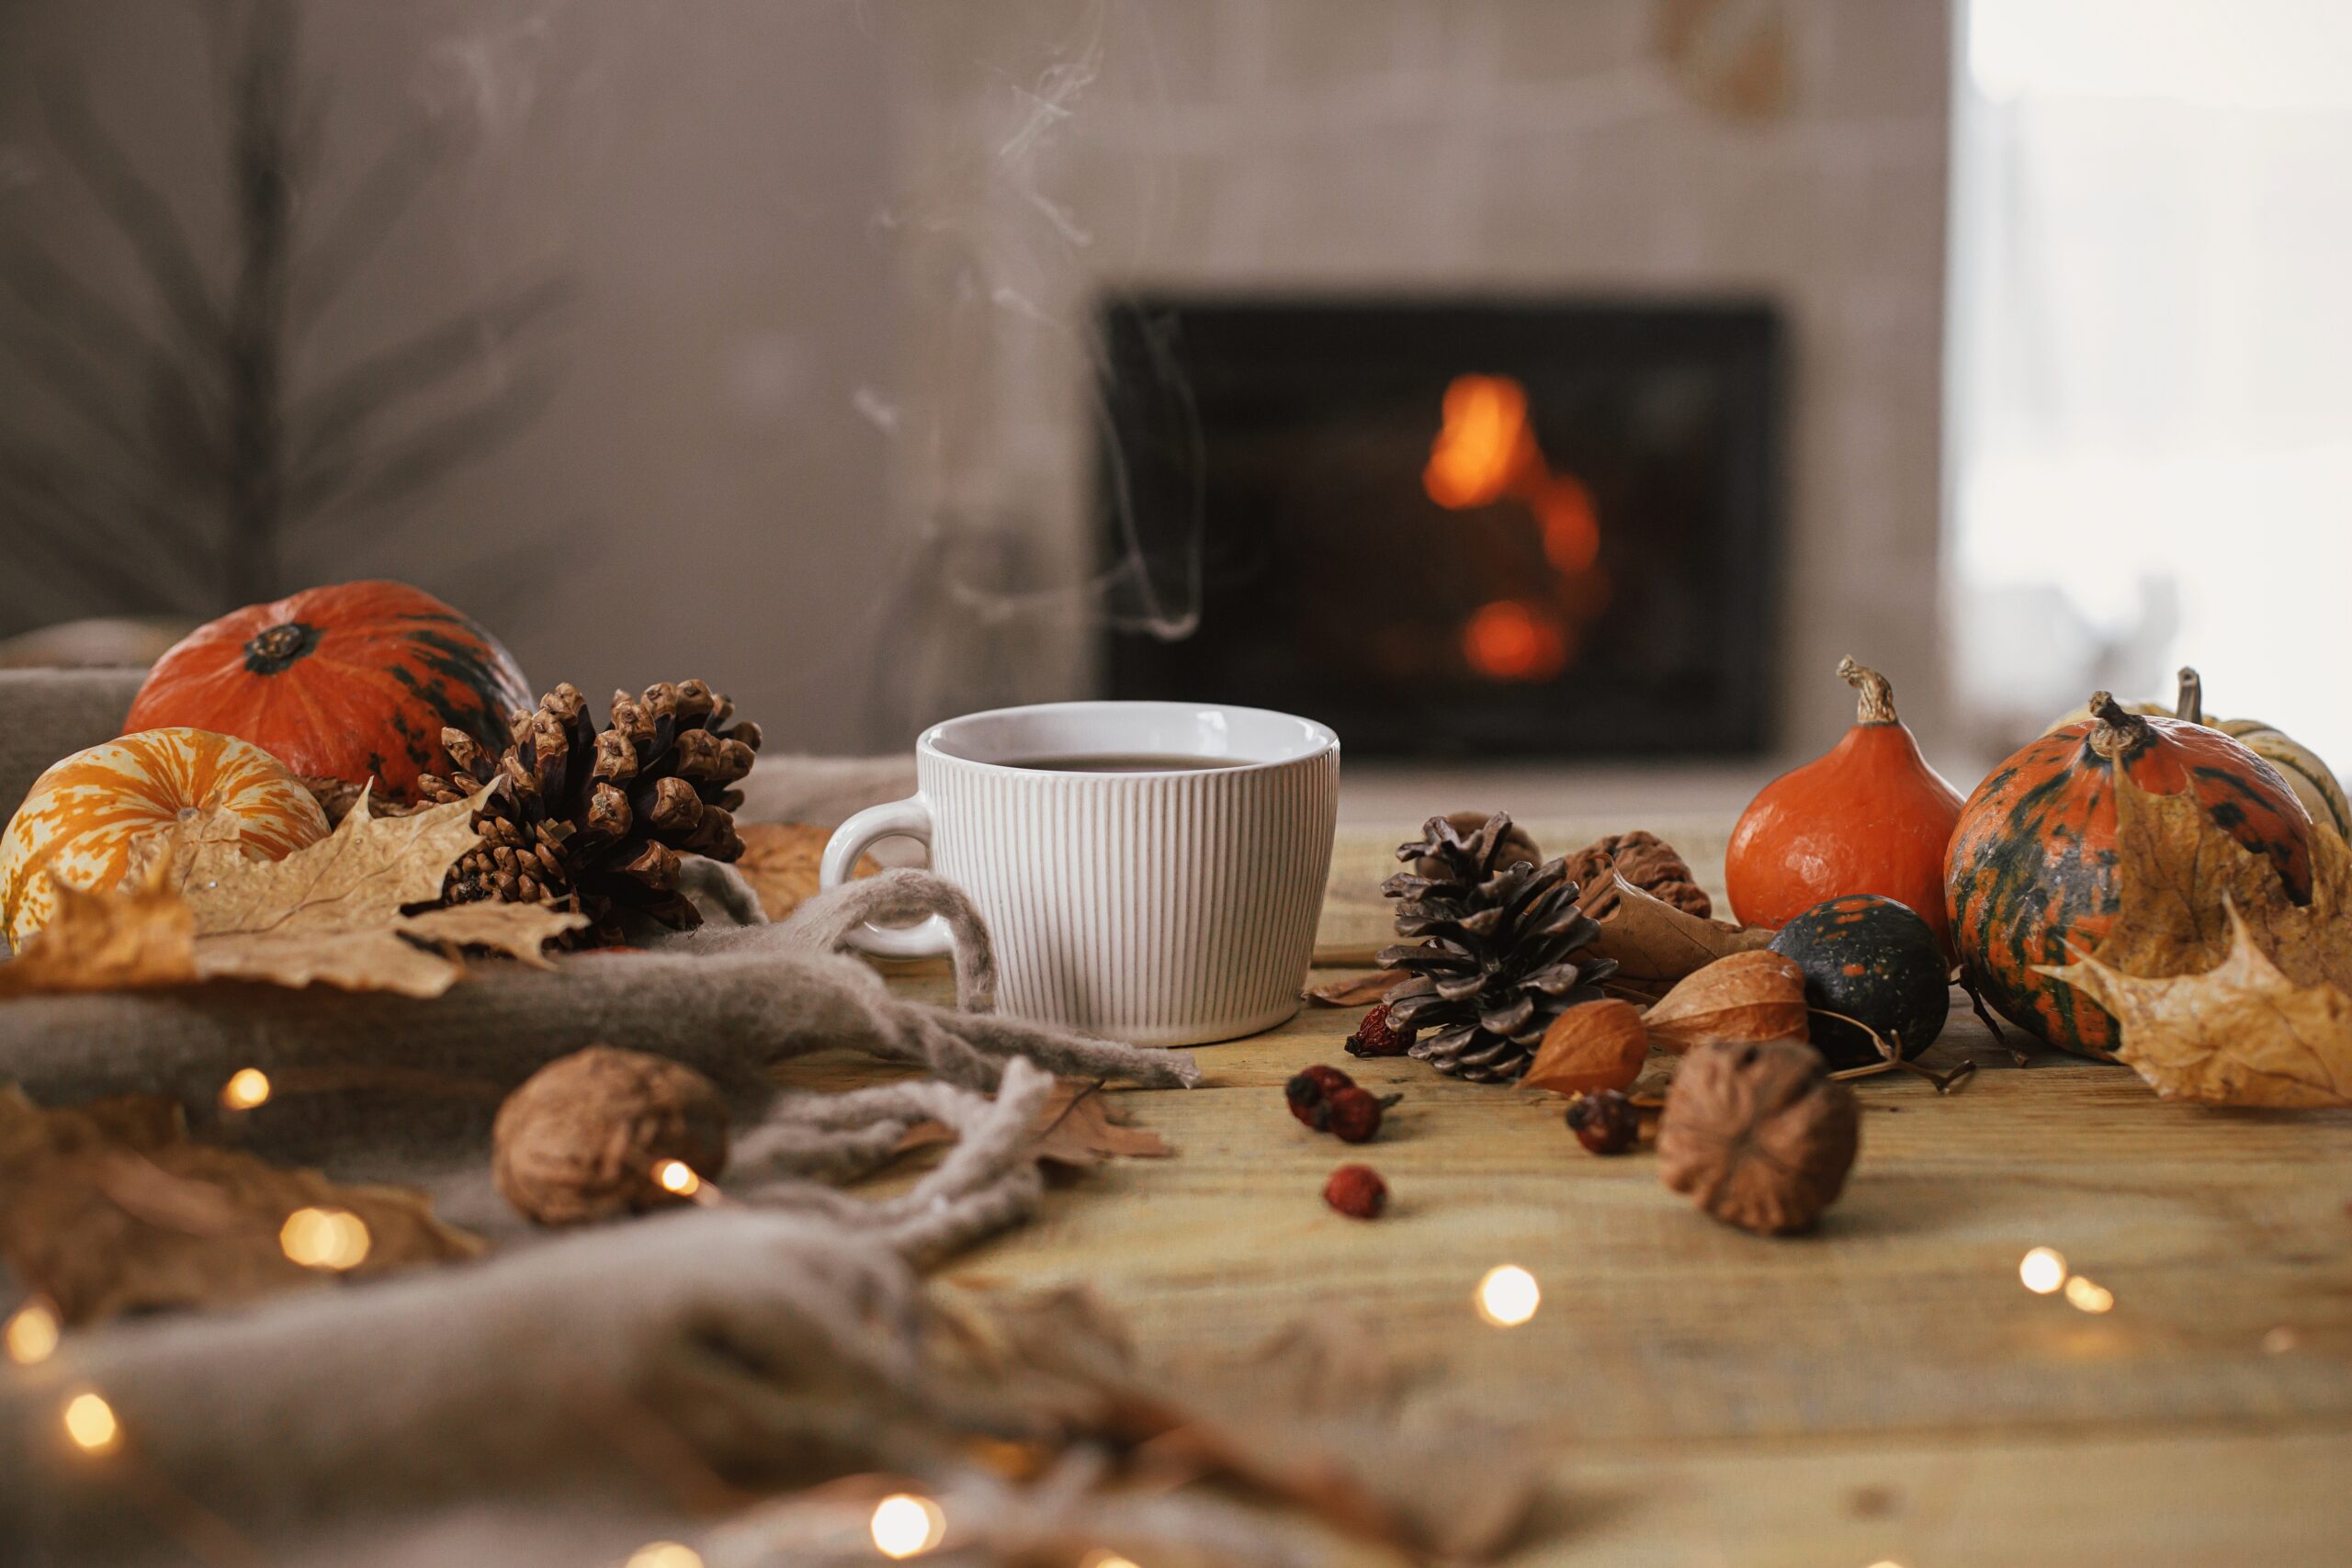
[1885, 1391]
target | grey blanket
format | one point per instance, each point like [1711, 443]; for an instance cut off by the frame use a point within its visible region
[629, 1372]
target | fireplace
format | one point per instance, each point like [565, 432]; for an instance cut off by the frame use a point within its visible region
[1477, 528]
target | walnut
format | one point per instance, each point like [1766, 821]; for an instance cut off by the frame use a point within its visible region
[1759, 1134]
[1646, 861]
[580, 1138]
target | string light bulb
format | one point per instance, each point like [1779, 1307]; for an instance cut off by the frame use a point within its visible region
[1107, 1560]
[664, 1554]
[333, 1239]
[2044, 1270]
[676, 1175]
[1509, 1296]
[90, 1423]
[247, 1087]
[32, 1333]
[2084, 1296]
[907, 1526]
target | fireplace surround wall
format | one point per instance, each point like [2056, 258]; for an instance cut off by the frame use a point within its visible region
[1437, 149]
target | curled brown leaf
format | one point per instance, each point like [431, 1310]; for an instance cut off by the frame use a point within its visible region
[112, 1208]
[1655, 944]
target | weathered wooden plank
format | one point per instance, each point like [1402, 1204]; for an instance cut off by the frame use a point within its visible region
[2186, 1499]
[1884, 1391]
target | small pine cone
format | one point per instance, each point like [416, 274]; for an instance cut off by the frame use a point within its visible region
[1497, 959]
[1646, 861]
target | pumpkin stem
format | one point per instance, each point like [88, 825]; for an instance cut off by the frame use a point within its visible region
[2191, 705]
[1876, 705]
[2120, 731]
[270, 652]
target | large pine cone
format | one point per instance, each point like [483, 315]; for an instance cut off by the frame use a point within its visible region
[1494, 969]
[596, 822]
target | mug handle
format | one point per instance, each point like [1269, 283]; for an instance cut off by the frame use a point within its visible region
[908, 819]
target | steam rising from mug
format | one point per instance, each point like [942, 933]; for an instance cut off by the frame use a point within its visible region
[1000, 562]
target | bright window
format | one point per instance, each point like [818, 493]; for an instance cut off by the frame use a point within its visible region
[2152, 359]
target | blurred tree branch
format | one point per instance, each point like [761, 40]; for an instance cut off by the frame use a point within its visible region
[185, 456]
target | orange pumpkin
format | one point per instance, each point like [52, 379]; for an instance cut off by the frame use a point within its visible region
[353, 682]
[2032, 864]
[1869, 815]
[78, 823]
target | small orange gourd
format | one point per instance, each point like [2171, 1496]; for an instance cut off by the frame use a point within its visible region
[1869, 815]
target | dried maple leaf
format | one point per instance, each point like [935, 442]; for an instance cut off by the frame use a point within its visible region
[2179, 873]
[198, 907]
[1356, 989]
[1655, 944]
[142, 934]
[781, 860]
[2227, 991]
[112, 1209]
[2243, 1033]
[1078, 1128]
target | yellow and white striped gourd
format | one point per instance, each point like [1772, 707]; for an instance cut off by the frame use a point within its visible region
[78, 822]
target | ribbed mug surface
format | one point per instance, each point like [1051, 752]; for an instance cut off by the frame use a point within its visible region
[1163, 908]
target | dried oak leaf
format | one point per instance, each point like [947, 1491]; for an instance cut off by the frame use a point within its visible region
[1356, 989]
[2227, 991]
[113, 1209]
[781, 860]
[330, 913]
[1655, 944]
[1078, 1128]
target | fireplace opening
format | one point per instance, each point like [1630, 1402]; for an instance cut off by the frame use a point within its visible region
[1472, 529]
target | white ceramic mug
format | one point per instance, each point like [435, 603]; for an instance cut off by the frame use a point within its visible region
[1163, 907]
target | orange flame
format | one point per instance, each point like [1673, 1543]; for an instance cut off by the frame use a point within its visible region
[1484, 446]
[1486, 452]
[1508, 640]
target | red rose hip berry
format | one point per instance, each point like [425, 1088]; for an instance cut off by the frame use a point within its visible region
[1357, 1191]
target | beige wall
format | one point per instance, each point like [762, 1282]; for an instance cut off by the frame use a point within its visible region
[821, 435]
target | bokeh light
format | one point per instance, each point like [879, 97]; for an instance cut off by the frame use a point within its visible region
[324, 1238]
[2044, 1270]
[2084, 1296]
[33, 1334]
[89, 1421]
[907, 1525]
[1508, 1296]
[247, 1087]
